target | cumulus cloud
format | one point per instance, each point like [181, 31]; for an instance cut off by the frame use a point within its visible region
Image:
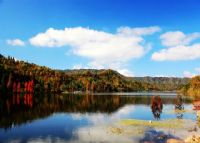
[176, 38]
[104, 50]
[15, 42]
[180, 52]
[178, 47]
[97, 45]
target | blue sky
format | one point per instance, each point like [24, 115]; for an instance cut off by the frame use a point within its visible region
[134, 37]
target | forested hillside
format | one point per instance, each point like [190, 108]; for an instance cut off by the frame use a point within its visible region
[21, 76]
[192, 88]
[14, 72]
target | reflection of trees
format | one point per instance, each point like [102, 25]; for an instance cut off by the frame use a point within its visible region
[14, 110]
[156, 106]
[179, 103]
[39, 106]
[179, 107]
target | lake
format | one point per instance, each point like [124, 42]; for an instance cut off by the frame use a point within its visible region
[116, 117]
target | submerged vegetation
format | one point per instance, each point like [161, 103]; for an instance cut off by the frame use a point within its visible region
[84, 80]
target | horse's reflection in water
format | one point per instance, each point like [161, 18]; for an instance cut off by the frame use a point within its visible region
[179, 103]
[156, 106]
[179, 107]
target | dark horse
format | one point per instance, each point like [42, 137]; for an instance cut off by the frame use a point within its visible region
[156, 106]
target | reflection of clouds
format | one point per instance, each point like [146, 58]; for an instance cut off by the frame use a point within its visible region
[99, 129]
[96, 134]
[125, 111]
[94, 118]
[48, 139]
[99, 134]
[99, 118]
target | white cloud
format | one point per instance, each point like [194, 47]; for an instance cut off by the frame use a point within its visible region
[197, 70]
[188, 74]
[126, 72]
[141, 31]
[180, 52]
[175, 38]
[93, 44]
[178, 47]
[104, 50]
[80, 66]
[15, 42]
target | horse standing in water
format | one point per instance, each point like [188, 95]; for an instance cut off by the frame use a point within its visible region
[156, 106]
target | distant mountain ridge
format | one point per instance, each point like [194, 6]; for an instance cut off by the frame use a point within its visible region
[168, 82]
[158, 80]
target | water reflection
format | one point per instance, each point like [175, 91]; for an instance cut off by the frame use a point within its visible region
[179, 107]
[33, 117]
[179, 103]
[19, 108]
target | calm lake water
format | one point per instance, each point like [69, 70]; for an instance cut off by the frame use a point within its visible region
[86, 118]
